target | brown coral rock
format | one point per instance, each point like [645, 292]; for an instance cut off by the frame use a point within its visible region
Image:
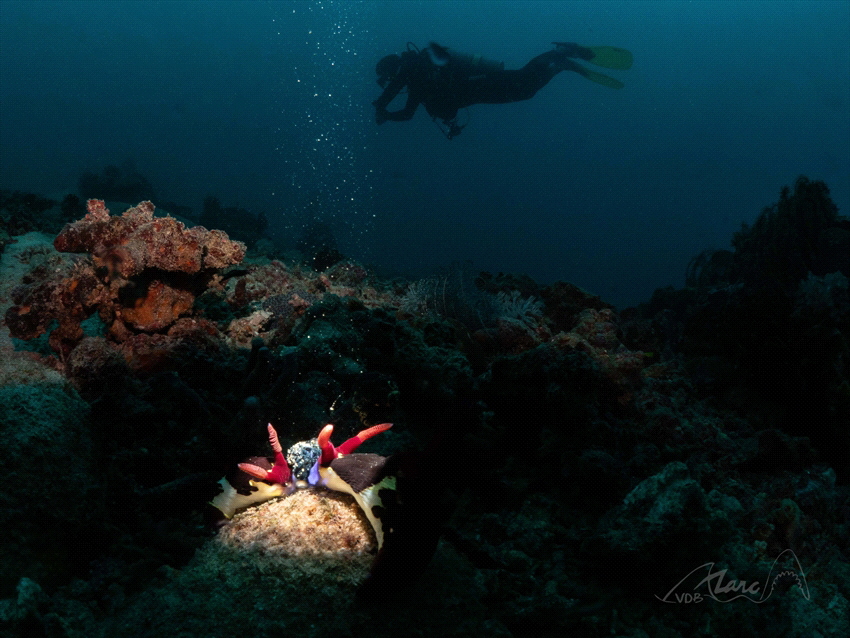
[95, 366]
[158, 308]
[143, 276]
[66, 295]
[136, 240]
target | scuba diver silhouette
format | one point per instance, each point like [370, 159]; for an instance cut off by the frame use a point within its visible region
[446, 81]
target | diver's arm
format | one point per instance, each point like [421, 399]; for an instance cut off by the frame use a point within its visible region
[389, 94]
[403, 114]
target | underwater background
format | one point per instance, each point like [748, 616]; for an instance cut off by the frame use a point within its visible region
[267, 105]
[596, 348]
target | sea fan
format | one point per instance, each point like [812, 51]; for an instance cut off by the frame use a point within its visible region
[513, 307]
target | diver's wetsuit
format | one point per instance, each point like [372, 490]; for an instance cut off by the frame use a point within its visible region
[445, 89]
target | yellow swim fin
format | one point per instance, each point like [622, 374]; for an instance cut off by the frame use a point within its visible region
[569, 65]
[611, 58]
[605, 80]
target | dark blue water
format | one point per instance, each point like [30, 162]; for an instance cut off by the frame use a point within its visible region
[267, 106]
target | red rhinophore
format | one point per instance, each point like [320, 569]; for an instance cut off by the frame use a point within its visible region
[325, 445]
[329, 452]
[280, 472]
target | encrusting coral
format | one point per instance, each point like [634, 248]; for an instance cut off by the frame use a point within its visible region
[143, 275]
[135, 241]
[312, 531]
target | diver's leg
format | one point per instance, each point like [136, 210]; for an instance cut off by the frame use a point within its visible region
[550, 63]
[545, 66]
[499, 87]
[515, 85]
[559, 60]
[524, 83]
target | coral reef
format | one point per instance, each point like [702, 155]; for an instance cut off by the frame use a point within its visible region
[800, 233]
[563, 465]
[767, 326]
[136, 241]
[48, 464]
[143, 275]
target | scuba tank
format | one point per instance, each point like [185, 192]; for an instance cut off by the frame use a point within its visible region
[475, 63]
[464, 62]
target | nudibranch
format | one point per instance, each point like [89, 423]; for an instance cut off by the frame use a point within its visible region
[314, 463]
